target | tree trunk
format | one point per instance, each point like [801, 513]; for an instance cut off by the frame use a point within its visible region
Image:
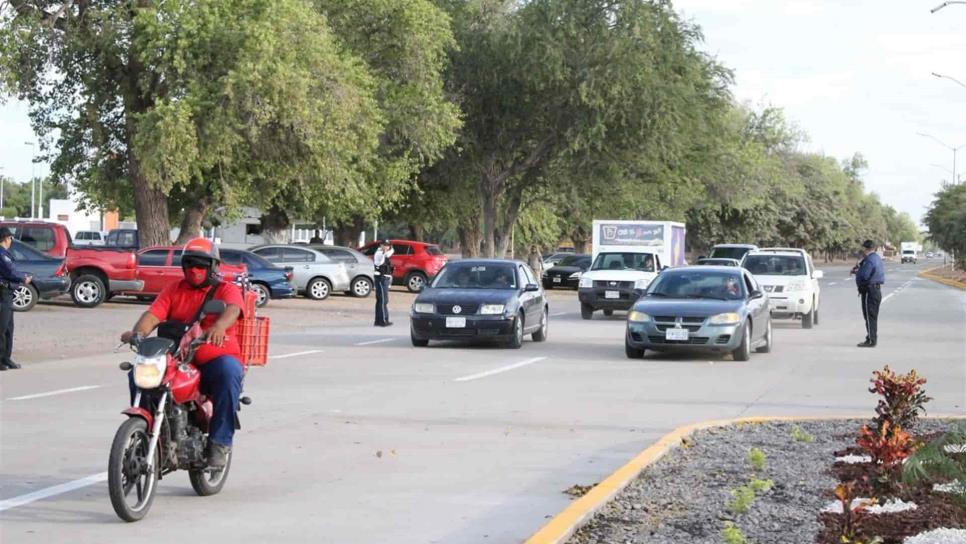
[417, 232]
[580, 236]
[470, 236]
[150, 208]
[347, 234]
[535, 261]
[489, 205]
[194, 215]
[503, 236]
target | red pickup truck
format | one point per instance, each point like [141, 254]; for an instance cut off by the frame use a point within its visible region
[159, 266]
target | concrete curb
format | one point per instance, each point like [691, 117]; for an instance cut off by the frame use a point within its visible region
[566, 523]
[945, 281]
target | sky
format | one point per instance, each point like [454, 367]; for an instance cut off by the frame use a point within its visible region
[855, 75]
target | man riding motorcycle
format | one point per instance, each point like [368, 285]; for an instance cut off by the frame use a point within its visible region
[219, 360]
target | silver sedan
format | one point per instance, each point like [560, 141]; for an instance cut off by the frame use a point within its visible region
[315, 275]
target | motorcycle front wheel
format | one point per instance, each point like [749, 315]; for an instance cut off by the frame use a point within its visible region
[206, 481]
[130, 483]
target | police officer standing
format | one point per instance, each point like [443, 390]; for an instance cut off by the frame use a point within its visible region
[383, 277]
[869, 277]
[10, 278]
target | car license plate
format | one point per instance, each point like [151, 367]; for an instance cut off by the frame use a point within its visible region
[557, 279]
[455, 322]
[676, 334]
[612, 294]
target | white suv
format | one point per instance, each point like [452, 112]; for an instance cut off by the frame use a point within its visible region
[790, 280]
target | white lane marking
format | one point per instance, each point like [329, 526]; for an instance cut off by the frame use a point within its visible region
[57, 392]
[832, 282]
[371, 342]
[296, 354]
[499, 370]
[40, 494]
[896, 292]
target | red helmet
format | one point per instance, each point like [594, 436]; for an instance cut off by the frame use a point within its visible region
[201, 248]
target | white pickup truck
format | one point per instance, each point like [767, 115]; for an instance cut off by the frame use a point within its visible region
[615, 280]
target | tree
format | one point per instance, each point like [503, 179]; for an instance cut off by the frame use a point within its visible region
[946, 220]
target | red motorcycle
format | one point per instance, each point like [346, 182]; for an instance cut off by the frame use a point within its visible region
[167, 425]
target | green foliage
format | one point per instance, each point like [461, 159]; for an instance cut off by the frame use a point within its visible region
[741, 499]
[946, 220]
[733, 535]
[798, 435]
[757, 459]
[760, 486]
[933, 463]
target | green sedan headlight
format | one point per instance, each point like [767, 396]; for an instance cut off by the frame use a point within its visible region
[424, 308]
[492, 309]
[729, 318]
[638, 317]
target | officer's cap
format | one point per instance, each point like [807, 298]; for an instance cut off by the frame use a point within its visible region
[5, 233]
[868, 244]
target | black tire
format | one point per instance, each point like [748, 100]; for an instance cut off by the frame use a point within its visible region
[516, 341]
[815, 311]
[263, 293]
[128, 450]
[318, 289]
[541, 334]
[743, 351]
[768, 340]
[415, 282]
[608, 313]
[586, 311]
[25, 298]
[145, 298]
[207, 482]
[88, 291]
[808, 320]
[417, 342]
[361, 287]
[632, 352]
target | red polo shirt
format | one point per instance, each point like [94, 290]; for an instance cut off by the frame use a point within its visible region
[180, 302]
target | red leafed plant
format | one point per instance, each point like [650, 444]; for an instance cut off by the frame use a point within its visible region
[887, 446]
[850, 523]
[902, 397]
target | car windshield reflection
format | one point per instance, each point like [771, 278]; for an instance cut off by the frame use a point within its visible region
[698, 285]
[476, 276]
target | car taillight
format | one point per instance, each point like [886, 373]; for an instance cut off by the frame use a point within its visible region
[62, 271]
[289, 276]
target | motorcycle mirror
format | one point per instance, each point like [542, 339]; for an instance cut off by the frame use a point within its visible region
[126, 366]
[214, 307]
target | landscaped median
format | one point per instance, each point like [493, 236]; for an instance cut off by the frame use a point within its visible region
[947, 276]
[893, 479]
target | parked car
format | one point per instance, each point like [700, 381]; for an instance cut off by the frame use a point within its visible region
[160, 266]
[567, 272]
[52, 239]
[359, 267]
[49, 276]
[705, 308]
[126, 238]
[716, 261]
[89, 238]
[315, 275]
[414, 263]
[731, 251]
[791, 281]
[553, 259]
[269, 281]
[481, 299]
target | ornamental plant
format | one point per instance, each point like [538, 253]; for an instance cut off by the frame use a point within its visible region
[902, 399]
[887, 446]
[938, 463]
[850, 524]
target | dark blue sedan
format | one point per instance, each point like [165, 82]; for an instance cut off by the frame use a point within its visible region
[50, 277]
[702, 308]
[269, 281]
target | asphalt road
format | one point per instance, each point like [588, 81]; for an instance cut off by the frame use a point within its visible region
[355, 436]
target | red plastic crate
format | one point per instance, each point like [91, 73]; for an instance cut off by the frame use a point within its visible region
[251, 301]
[253, 335]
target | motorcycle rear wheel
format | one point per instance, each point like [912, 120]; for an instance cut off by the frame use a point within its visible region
[125, 471]
[206, 482]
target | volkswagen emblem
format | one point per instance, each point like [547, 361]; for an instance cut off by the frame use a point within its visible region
[457, 309]
[613, 284]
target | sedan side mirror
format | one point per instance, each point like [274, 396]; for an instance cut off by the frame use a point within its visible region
[818, 274]
[531, 288]
[214, 307]
[756, 294]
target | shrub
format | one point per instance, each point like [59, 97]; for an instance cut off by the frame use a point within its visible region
[741, 500]
[733, 535]
[798, 435]
[902, 397]
[887, 446]
[850, 524]
[760, 486]
[757, 459]
[932, 463]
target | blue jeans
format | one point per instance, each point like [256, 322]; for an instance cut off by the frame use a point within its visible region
[382, 299]
[221, 381]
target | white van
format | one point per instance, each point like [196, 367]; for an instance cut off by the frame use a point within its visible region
[89, 238]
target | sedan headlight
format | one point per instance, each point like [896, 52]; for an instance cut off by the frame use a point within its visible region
[575, 275]
[424, 308]
[642, 283]
[729, 318]
[797, 285]
[492, 309]
[586, 283]
[149, 371]
[638, 317]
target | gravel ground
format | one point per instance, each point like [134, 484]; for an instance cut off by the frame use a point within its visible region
[684, 496]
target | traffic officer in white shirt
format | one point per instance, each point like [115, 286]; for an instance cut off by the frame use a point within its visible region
[383, 281]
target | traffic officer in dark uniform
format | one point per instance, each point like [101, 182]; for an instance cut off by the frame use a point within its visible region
[869, 277]
[10, 278]
[383, 277]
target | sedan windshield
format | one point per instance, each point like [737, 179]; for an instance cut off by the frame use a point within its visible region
[697, 284]
[775, 265]
[624, 261]
[476, 276]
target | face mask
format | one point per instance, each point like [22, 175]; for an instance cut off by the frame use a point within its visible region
[196, 276]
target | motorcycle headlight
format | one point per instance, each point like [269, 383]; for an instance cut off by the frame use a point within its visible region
[424, 308]
[492, 309]
[729, 318]
[638, 317]
[575, 275]
[586, 283]
[642, 283]
[149, 371]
